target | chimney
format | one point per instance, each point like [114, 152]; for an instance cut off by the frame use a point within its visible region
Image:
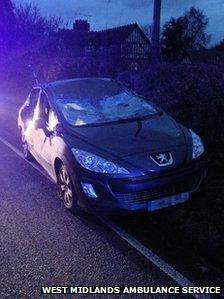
[81, 25]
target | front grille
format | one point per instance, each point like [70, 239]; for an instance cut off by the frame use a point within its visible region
[142, 197]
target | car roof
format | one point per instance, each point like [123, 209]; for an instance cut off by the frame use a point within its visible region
[52, 85]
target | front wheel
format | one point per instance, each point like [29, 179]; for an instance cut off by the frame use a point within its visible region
[67, 190]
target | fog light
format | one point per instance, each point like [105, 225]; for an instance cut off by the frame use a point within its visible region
[88, 190]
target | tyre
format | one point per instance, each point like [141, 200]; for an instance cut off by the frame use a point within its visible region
[67, 191]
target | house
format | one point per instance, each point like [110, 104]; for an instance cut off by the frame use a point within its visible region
[125, 43]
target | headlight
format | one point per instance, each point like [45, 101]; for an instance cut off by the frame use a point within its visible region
[198, 147]
[96, 163]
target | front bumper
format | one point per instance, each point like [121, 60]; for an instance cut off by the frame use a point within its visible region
[133, 194]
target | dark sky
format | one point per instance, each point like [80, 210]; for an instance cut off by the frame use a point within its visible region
[109, 13]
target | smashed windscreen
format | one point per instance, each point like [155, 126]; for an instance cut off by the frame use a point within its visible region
[103, 103]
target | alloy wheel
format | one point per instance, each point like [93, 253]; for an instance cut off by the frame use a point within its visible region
[66, 187]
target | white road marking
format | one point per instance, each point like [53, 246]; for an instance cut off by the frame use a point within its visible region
[152, 257]
[146, 252]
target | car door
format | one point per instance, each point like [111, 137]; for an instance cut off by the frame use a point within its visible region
[29, 114]
[43, 144]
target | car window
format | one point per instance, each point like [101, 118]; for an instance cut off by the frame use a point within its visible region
[44, 107]
[46, 113]
[52, 120]
[34, 96]
[120, 107]
[90, 102]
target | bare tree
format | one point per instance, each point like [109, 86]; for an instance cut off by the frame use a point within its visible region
[155, 49]
[31, 22]
[7, 24]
